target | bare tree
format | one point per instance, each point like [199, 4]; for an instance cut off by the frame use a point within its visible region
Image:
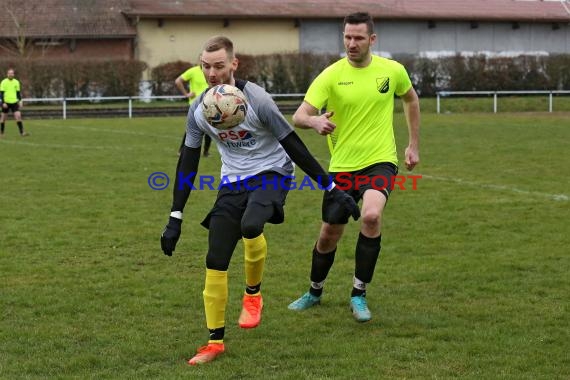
[21, 36]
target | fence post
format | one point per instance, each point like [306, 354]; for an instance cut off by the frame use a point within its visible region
[495, 102]
[130, 108]
[437, 103]
[64, 109]
[550, 102]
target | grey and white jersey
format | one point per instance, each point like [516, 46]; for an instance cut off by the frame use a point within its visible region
[251, 147]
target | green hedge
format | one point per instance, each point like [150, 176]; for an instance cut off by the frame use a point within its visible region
[481, 73]
[288, 73]
[68, 78]
[278, 73]
[283, 73]
[291, 73]
[163, 77]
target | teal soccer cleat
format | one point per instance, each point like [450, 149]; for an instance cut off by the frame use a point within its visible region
[360, 309]
[306, 301]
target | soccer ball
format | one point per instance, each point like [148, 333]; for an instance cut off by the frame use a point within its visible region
[224, 106]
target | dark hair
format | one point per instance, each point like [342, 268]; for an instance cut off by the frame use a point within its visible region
[220, 42]
[360, 18]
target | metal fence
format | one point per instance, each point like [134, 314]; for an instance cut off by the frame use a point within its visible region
[496, 94]
[65, 102]
[128, 100]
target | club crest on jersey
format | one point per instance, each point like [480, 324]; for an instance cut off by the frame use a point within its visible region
[237, 139]
[383, 84]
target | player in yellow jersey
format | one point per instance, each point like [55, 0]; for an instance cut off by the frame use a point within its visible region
[11, 100]
[196, 81]
[357, 93]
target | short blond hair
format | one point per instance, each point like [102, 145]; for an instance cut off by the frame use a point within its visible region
[220, 42]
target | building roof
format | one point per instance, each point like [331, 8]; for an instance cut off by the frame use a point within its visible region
[477, 10]
[65, 18]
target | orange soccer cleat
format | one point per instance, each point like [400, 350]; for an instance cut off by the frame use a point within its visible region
[207, 353]
[250, 316]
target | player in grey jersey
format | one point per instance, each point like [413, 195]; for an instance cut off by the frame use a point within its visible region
[264, 148]
[252, 147]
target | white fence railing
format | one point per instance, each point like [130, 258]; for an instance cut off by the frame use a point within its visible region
[496, 95]
[128, 99]
[441, 94]
[99, 99]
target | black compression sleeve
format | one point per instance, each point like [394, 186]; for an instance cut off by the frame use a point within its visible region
[299, 153]
[19, 95]
[186, 171]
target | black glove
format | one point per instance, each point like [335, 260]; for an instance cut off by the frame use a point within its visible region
[170, 235]
[342, 198]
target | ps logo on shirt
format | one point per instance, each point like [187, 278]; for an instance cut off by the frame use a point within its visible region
[383, 84]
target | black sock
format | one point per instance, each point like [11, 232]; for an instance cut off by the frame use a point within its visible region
[253, 289]
[20, 127]
[358, 292]
[217, 334]
[182, 144]
[322, 263]
[207, 143]
[366, 256]
[2, 127]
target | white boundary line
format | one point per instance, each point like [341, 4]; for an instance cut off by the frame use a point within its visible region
[90, 129]
[84, 147]
[65, 146]
[460, 181]
[75, 146]
[93, 129]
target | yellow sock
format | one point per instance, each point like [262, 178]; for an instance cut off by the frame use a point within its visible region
[255, 253]
[215, 298]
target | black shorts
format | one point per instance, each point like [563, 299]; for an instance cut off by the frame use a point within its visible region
[267, 189]
[378, 177]
[14, 107]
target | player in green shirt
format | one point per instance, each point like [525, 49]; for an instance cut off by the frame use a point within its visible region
[196, 81]
[11, 100]
[357, 93]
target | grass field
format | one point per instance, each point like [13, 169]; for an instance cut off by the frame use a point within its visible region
[473, 281]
